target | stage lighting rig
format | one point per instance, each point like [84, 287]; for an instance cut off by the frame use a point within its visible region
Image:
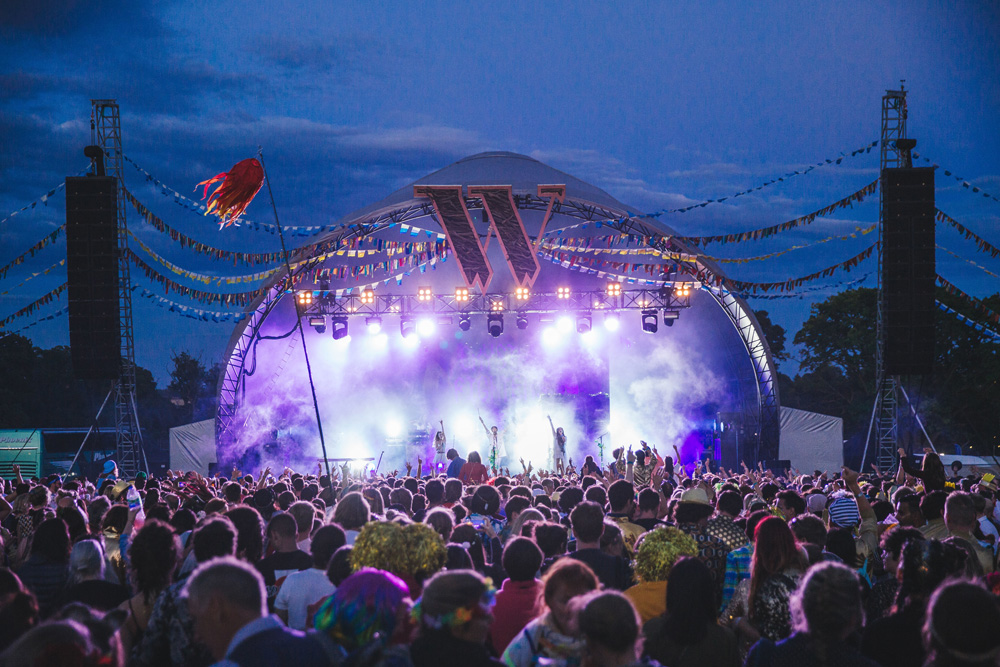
[318, 323]
[461, 294]
[650, 321]
[407, 327]
[425, 294]
[584, 323]
[522, 321]
[494, 324]
[465, 322]
[521, 293]
[562, 293]
[682, 290]
[339, 327]
[367, 297]
[496, 306]
[305, 298]
[670, 316]
[612, 322]
[614, 289]
[374, 324]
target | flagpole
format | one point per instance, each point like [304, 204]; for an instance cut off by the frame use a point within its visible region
[298, 315]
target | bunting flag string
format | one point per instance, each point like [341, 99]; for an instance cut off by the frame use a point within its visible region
[794, 283]
[46, 272]
[192, 205]
[990, 314]
[972, 323]
[47, 240]
[189, 311]
[814, 289]
[202, 277]
[960, 179]
[34, 305]
[982, 244]
[230, 299]
[58, 313]
[767, 232]
[799, 172]
[439, 251]
[967, 261]
[586, 266]
[249, 258]
[43, 200]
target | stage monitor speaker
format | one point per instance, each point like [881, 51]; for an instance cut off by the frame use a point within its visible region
[908, 270]
[92, 276]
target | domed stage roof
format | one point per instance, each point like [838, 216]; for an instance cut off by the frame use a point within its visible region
[501, 239]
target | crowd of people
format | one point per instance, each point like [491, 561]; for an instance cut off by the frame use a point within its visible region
[641, 562]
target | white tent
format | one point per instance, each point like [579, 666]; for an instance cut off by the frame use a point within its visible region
[811, 441]
[192, 447]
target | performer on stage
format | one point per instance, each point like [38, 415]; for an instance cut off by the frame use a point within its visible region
[440, 443]
[498, 452]
[558, 447]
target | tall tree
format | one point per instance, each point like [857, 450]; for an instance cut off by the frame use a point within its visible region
[775, 335]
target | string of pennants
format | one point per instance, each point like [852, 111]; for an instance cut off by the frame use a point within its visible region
[981, 244]
[795, 283]
[587, 267]
[440, 252]
[767, 232]
[46, 272]
[35, 305]
[47, 240]
[190, 204]
[202, 277]
[968, 261]
[972, 323]
[43, 199]
[990, 314]
[189, 311]
[59, 313]
[961, 179]
[798, 172]
[230, 299]
[606, 245]
[813, 289]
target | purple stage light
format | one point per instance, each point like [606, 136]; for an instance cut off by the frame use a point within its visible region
[374, 325]
[612, 322]
[564, 324]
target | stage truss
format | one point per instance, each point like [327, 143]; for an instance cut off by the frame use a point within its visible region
[762, 423]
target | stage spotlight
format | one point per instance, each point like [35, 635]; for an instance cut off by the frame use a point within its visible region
[682, 290]
[424, 294]
[461, 294]
[305, 298]
[318, 323]
[564, 324]
[496, 306]
[407, 327]
[522, 321]
[562, 293]
[339, 327]
[584, 323]
[521, 293]
[464, 322]
[670, 316]
[374, 324]
[367, 297]
[551, 337]
[425, 326]
[612, 321]
[494, 324]
[614, 289]
[650, 320]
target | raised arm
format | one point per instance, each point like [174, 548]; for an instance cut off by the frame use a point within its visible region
[551, 425]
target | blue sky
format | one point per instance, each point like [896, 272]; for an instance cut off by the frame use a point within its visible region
[660, 104]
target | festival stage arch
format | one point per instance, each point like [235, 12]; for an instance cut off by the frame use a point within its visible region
[491, 225]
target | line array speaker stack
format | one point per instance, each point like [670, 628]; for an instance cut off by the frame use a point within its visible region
[92, 272]
[908, 269]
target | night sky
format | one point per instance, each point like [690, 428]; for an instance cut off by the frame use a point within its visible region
[660, 104]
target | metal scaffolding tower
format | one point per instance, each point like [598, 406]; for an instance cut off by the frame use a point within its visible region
[885, 418]
[105, 125]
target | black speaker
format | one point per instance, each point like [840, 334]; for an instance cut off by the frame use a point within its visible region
[908, 270]
[92, 276]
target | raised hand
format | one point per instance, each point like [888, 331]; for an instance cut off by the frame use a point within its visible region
[409, 467]
[901, 452]
[849, 476]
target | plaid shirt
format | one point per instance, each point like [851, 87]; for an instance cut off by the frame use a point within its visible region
[737, 569]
